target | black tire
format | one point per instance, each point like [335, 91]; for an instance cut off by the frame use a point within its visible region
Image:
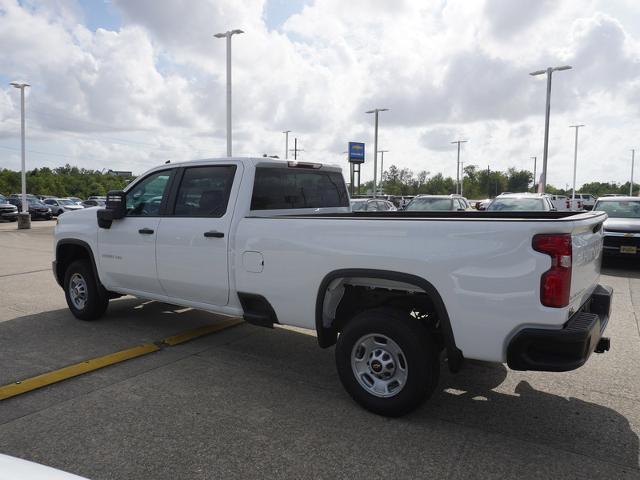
[96, 297]
[417, 347]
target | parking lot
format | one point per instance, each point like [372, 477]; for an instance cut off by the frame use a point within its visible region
[249, 402]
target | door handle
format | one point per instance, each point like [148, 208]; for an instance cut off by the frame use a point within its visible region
[145, 231]
[214, 234]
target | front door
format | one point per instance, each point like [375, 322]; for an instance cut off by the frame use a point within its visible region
[193, 238]
[128, 249]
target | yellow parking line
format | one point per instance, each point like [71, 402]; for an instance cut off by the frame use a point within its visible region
[71, 371]
[39, 381]
[201, 331]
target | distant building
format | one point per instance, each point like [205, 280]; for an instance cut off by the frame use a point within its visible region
[120, 173]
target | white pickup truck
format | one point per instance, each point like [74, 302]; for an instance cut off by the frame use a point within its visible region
[276, 242]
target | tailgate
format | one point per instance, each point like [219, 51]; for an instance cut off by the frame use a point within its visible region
[586, 242]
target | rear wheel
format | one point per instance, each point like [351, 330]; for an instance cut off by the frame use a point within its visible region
[86, 298]
[387, 361]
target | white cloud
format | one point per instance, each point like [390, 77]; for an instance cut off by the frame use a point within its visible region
[155, 88]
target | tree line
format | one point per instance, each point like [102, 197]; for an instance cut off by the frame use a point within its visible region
[477, 183]
[66, 181]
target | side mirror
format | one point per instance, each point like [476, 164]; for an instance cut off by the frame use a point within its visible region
[116, 208]
[105, 218]
[117, 204]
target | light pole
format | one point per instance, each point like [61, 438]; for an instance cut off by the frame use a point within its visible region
[461, 178]
[228, 35]
[535, 160]
[25, 219]
[286, 144]
[575, 162]
[549, 71]
[458, 165]
[375, 148]
[633, 157]
[382, 152]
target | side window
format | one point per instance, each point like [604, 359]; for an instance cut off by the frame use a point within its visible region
[372, 207]
[144, 199]
[204, 191]
[277, 188]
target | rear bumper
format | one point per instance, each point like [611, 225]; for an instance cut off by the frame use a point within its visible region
[613, 241]
[565, 349]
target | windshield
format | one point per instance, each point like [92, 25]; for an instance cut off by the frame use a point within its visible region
[517, 204]
[65, 202]
[426, 204]
[358, 206]
[620, 209]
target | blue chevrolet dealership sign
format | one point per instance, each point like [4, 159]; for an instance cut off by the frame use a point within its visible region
[356, 152]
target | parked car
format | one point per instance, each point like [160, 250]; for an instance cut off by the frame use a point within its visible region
[372, 205]
[588, 200]
[7, 210]
[521, 202]
[75, 200]
[93, 203]
[97, 197]
[12, 468]
[428, 203]
[60, 205]
[276, 242]
[481, 205]
[622, 228]
[36, 209]
[561, 203]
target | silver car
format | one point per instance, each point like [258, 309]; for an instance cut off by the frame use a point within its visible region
[622, 228]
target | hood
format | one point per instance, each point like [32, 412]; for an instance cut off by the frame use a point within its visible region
[622, 224]
[73, 207]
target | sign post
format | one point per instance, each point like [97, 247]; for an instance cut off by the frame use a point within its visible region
[356, 159]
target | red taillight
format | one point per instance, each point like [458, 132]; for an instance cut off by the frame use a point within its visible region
[555, 284]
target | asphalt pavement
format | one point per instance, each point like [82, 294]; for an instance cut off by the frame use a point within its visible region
[249, 402]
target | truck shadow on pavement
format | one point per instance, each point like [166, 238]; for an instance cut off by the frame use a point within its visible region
[621, 267]
[468, 398]
[562, 423]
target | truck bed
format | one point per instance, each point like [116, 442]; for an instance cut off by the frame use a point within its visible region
[525, 216]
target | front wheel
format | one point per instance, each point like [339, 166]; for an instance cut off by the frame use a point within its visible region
[86, 297]
[387, 361]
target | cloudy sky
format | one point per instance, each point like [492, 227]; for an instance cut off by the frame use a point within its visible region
[126, 84]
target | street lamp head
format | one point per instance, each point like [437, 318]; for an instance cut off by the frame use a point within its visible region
[564, 67]
[575, 126]
[19, 85]
[237, 30]
[220, 35]
[375, 110]
[537, 72]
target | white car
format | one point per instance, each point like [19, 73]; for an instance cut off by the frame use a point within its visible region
[521, 202]
[371, 205]
[12, 468]
[60, 205]
[276, 242]
[430, 203]
[588, 200]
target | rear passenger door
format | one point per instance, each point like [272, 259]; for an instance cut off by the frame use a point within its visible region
[193, 238]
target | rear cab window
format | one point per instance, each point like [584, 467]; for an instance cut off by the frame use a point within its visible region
[286, 188]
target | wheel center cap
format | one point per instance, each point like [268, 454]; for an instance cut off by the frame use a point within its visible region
[376, 366]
